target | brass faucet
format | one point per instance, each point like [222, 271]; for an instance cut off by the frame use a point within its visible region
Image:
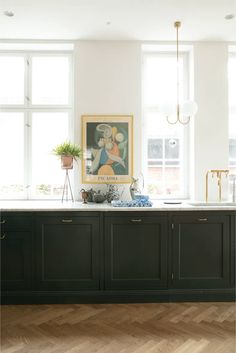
[218, 173]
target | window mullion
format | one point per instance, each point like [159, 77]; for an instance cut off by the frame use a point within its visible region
[26, 154]
[163, 167]
[29, 81]
[28, 143]
[29, 156]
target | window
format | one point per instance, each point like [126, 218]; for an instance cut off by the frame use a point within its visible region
[35, 116]
[166, 146]
[12, 74]
[12, 159]
[232, 112]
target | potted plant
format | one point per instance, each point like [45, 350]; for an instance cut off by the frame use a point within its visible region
[68, 152]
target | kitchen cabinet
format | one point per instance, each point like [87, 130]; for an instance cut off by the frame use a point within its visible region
[201, 251]
[67, 252]
[135, 252]
[16, 251]
[115, 256]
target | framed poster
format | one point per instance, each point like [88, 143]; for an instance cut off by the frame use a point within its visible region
[107, 142]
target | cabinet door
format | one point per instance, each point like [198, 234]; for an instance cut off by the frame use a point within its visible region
[135, 252]
[201, 251]
[67, 253]
[16, 239]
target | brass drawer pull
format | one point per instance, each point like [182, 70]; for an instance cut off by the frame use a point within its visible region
[3, 236]
[3, 221]
[67, 220]
[136, 220]
[202, 219]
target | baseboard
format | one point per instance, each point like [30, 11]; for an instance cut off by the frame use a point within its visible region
[147, 296]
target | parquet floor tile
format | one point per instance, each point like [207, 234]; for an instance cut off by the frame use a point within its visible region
[119, 328]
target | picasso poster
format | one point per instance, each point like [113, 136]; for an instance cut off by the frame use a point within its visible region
[107, 143]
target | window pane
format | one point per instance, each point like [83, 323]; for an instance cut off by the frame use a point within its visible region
[160, 80]
[155, 148]
[12, 71]
[48, 130]
[155, 162]
[166, 162]
[50, 80]
[232, 154]
[232, 148]
[155, 181]
[158, 179]
[158, 126]
[164, 181]
[172, 162]
[232, 123]
[12, 158]
[232, 80]
[232, 112]
[172, 181]
[171, 148]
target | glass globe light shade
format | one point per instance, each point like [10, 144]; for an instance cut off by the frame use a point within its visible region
[188, 108]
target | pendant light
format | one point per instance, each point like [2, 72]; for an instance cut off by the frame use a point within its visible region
[184, 111]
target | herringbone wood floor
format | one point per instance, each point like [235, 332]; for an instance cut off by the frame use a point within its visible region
[119, 328]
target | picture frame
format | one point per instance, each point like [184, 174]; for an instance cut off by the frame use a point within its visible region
[107, 143]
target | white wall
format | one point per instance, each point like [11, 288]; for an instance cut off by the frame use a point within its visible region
[211, 123]
[108, 81]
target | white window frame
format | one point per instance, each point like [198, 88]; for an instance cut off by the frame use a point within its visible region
[184, 157]
[27, 108]
[232, 107]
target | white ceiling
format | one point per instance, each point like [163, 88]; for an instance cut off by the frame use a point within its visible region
[129, 19]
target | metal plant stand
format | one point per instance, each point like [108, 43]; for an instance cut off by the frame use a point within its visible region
[66, 188]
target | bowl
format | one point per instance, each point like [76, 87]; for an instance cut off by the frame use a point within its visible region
[99, 198]
[141, 197]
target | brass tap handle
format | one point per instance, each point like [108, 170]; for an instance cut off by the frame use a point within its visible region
[218, 173]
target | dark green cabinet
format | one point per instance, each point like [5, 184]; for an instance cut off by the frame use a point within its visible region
[201, 251]
[135, 252]
[67, 253]
[81, 256]
[16, 252]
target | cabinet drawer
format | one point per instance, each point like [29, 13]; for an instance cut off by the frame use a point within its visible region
[66, 218]
[135, 219]
[202, 217]
[15, 222]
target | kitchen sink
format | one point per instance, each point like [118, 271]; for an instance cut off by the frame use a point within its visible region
[202, 203]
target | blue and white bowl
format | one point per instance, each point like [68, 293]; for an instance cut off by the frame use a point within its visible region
[141, 197]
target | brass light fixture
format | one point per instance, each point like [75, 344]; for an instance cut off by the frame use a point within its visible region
[184, 111]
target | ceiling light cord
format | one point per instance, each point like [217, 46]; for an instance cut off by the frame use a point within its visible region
[192, 105]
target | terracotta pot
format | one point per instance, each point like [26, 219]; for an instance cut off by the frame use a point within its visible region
[67, 162]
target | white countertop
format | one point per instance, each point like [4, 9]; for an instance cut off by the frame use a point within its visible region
[79, 206]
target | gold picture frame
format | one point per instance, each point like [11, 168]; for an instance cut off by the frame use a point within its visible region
[107, 143]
